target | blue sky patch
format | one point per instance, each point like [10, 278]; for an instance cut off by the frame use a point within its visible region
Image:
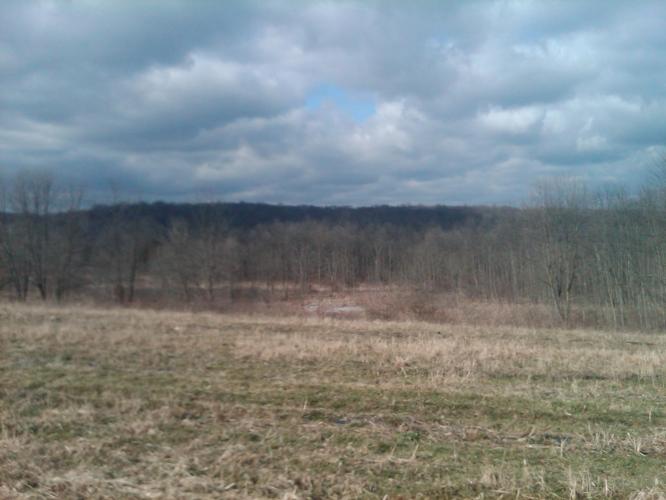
[358, 106]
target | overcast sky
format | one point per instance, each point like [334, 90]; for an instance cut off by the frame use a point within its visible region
[344, 102]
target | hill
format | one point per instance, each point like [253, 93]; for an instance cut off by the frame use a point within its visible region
[249, 215]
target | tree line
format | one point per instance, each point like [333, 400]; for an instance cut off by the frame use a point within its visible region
[584, 253]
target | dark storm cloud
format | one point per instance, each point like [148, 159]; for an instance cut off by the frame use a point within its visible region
[453, 102]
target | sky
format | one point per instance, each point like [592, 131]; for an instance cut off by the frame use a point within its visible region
[332, 103]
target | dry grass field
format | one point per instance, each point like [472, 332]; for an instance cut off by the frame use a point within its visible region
[137, 404]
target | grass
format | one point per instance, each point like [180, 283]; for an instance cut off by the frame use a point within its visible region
[138, 404]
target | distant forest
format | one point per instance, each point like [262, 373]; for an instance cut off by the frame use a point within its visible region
[245, 216]
[580, 252]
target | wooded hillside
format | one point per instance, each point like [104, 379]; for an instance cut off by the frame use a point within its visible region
[599, 254]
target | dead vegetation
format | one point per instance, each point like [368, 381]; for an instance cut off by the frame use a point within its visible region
[139, 404]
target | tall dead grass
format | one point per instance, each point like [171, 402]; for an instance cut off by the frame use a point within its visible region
[139, 404]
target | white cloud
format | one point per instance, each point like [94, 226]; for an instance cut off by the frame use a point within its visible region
[474, 100]
[513, 121]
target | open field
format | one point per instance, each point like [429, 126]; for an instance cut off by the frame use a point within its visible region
[139, 404]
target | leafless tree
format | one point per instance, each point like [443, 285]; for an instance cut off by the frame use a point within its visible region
[213, 247]
[123, 250]
[14, 245]
[69, 242]
[41, 236]
[561, 204]
[177, 259]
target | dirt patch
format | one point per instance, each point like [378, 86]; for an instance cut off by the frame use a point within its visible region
[331, 309]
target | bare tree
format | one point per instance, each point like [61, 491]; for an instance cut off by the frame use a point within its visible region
[32, 200]
[177, 259]
[14, 245]
[69, 243]
[40, 234]
[560, 217]
[212, 248]
[123, 250]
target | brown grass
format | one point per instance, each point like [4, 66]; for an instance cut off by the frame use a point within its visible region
[141, 404]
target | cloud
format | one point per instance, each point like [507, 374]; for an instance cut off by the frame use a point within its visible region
[332, 102]
[512, 121]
